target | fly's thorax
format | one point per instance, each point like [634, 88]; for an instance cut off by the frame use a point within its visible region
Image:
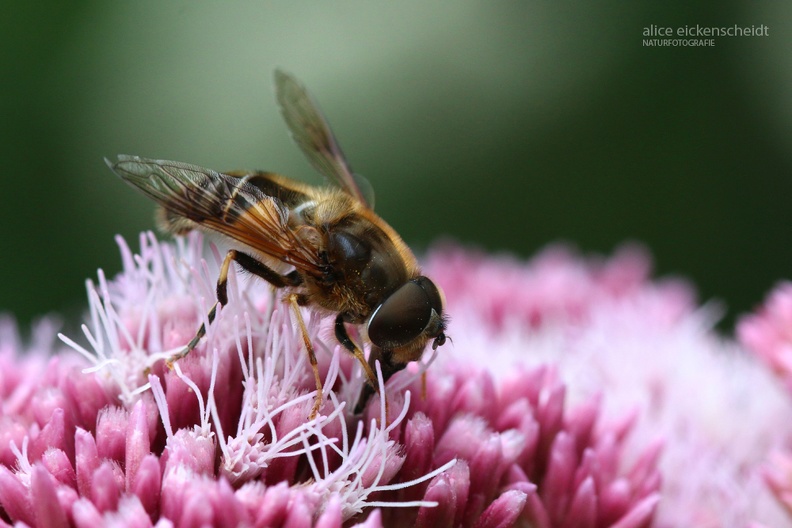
[364, 260]
[287, 191]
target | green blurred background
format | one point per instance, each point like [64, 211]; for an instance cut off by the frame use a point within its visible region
[505, 125]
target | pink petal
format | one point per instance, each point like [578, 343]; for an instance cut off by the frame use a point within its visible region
[550, 414]
[190, 449]
[148, 484]
[273, 508]
[476, 396]
[299, 514]
[580, 422]
[583, 509]
[13, 431]
[555, 487]
[419, 444]
[536, 513]
[615, 500]
[14, 498]
[52, 435]
[516, 478]
[86, 515]
[86, 460]
[392, 461]
[484, 475]
[107, 483]
[331, 516]
[47, 401]
[181, 401]
[137, 442]
[450, 490]
[58, 465]
[86, 397]
[646, 465]
[640, 515]
[441, 491]
[374, 520]
[285, 468]
[197, 512]
[111, 431]
[504, 511]
[130, 514]
[229, 512]
[463, 437]
[44, 498]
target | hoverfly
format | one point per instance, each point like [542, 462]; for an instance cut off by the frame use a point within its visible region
[325, 246]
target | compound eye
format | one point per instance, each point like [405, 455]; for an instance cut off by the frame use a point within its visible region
[405, 314]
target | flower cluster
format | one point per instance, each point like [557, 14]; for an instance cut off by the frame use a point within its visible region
[641, 348]
[768, 334]
[577, 392]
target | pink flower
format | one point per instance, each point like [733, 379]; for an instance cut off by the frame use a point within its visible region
[564, 401]
[768, 334]
[643, 349]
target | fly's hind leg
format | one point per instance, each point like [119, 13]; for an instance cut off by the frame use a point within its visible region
[249, 264]
[294, 301]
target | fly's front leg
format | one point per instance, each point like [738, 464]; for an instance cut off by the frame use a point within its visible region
[344, 339]
[249, 264]
[372, 384]
[294, 300]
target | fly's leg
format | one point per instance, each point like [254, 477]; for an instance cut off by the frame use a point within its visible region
[388, 366]
[344, 339]
[249, 264]
[295, 304]
[372, 383]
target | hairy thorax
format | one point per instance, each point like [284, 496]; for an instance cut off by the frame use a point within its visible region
[365, 260]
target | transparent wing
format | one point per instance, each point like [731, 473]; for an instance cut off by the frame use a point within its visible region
[313, 135]
[221, 203]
